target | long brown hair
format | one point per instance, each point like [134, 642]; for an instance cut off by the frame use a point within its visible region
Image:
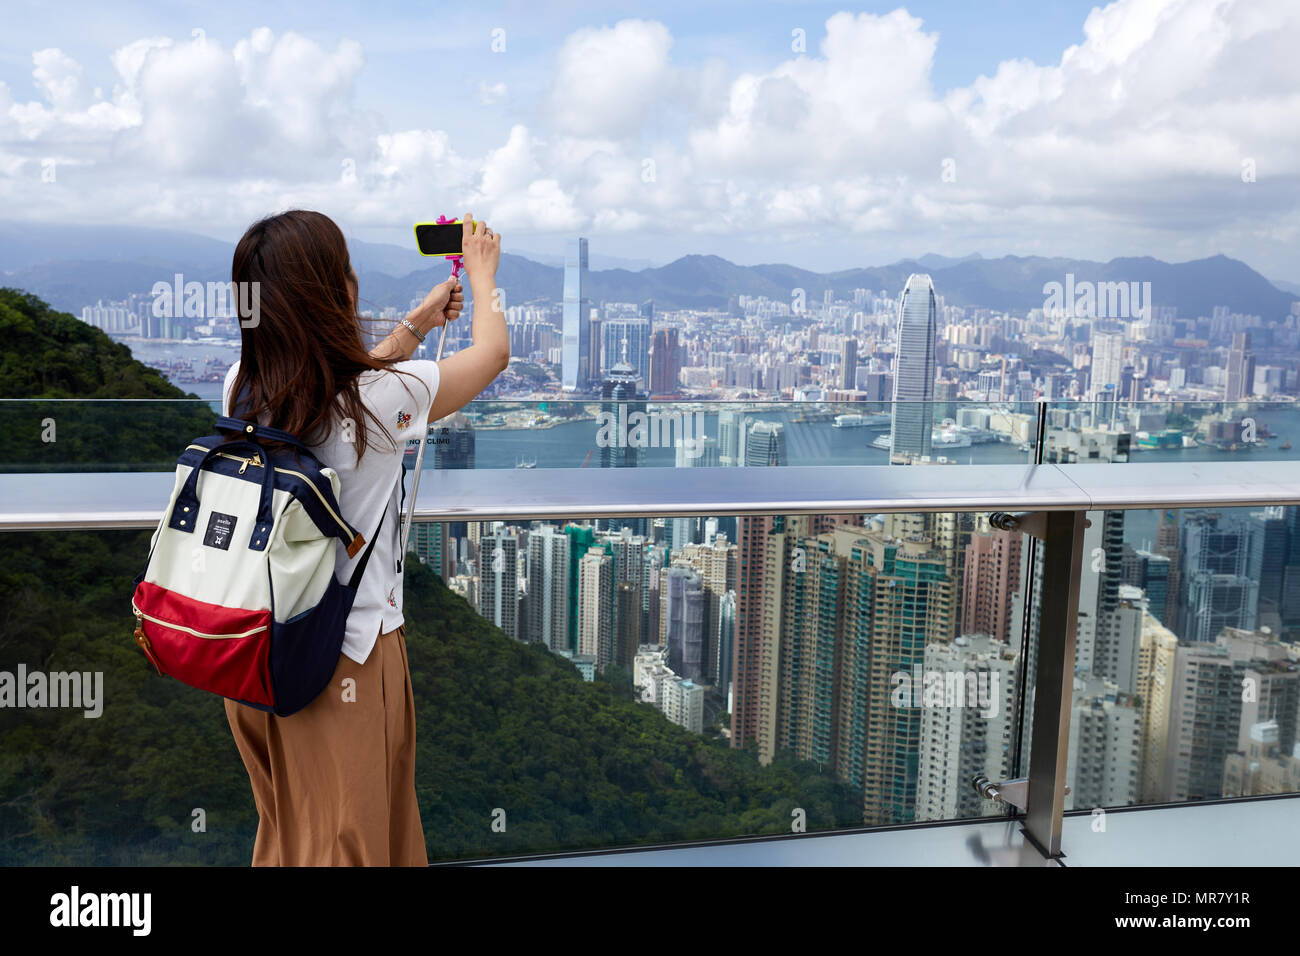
[301, 357]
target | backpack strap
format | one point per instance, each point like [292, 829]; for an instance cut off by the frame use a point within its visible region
[186, 507]
[250, 428]
[253, 430]
[355, 581]
[401, 509]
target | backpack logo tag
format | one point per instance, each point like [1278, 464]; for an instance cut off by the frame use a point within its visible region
[221, 528]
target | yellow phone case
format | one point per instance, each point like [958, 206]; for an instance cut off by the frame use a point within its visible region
[434, 255]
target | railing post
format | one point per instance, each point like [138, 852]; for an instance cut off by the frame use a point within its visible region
[1054, 677]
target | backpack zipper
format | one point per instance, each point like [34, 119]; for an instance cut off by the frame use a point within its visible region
[142, 640]
[180, 627]
[257, 460]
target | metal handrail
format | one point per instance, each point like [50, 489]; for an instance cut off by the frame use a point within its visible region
[126, 500]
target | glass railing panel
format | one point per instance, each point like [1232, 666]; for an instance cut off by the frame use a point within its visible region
[1187, 672]
[1117, 432]
[857, 670]
[42, 435]
[643, 681]
[489, 434]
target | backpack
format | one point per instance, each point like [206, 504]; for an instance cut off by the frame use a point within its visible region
[238, 596]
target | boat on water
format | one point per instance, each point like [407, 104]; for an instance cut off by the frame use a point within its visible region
[945, 439]
[525, 462]
[950, 439]
[855, 420]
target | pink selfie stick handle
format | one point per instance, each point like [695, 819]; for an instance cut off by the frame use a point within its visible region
[424, 440]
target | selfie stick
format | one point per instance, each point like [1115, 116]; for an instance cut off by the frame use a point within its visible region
[424, 440]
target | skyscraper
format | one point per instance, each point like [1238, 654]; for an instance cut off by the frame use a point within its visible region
[1204, 721]
[665, 362]
[576, 352]
[911, 600]
[961, 740]
[732, 425]
[453, 442]
[548, 588]
[765, 445]
[1107, 361]
[1241, 369]
[1266, 563]
[848, 363]
[913, 414]
[1215, 589]
[596, 606]
[498, 581]
[685, 625]
[1105, 746]
[620, 398]
[992, 574]
[753, 644]
[627, 340]
[627, 623]
[1156, 658]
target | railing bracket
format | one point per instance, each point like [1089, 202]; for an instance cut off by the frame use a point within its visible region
[1014, 792]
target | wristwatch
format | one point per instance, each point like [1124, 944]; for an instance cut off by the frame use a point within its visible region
[414, 331]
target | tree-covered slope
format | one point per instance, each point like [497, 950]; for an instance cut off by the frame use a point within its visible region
[72, 399]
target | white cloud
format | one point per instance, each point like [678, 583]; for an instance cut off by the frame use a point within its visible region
[1137, 131]
[607, 78]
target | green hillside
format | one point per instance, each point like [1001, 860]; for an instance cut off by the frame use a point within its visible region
[499, 724]
[117, 424]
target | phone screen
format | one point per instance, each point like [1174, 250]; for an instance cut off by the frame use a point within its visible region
[438, 239]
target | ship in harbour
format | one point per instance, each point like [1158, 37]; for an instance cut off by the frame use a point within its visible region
[854, 420]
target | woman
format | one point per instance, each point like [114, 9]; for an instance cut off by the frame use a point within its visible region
[335, 782]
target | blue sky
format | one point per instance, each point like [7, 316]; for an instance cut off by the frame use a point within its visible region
[1058, 128]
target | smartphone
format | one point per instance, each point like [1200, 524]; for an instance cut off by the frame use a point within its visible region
[438, 238]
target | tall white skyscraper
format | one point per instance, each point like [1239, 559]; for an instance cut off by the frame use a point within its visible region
[1105, 746]
[596, 606]
[498, 581]
[960, 739]
[548, 588]
[1107, 360]
[913, 414]
[575, 355]
[1241, 369]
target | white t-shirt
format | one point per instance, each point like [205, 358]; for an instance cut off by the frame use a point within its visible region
[401, 403]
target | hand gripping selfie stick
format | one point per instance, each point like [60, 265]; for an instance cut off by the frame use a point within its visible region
[424, 439]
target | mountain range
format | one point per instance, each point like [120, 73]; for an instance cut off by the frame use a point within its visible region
[75, 266]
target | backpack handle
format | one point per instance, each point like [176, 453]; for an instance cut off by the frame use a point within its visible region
[255, 431]
[186, 510]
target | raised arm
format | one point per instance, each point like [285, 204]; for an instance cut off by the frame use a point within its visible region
[463, 375]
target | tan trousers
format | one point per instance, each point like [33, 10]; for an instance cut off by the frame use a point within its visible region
[334, 783]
